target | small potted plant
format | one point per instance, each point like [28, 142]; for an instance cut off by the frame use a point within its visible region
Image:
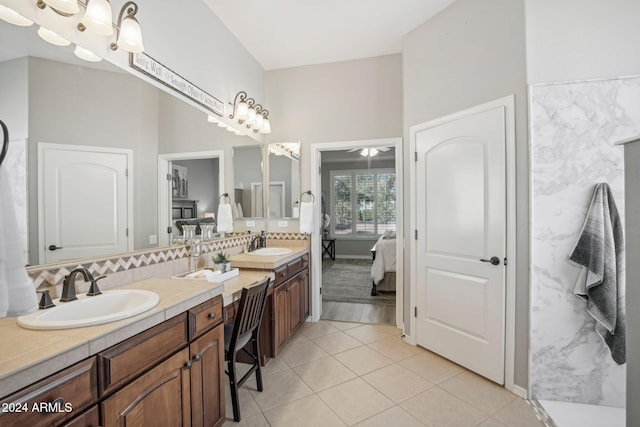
[221, 262]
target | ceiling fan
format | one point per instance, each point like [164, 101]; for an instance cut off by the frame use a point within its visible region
[369, 152]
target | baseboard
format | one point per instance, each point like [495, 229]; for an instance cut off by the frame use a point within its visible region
[354, 256]
[519, 391]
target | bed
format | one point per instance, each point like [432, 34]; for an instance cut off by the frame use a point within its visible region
[383, 269]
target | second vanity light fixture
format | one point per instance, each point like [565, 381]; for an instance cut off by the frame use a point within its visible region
[250, 114]
[97, 18]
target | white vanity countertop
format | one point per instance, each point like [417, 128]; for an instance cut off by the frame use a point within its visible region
[27, 356]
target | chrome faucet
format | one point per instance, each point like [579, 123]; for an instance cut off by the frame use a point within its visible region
[69, 284]
[258, 242]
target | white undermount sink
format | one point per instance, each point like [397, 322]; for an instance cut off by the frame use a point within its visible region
[271, 251]
[108, 307]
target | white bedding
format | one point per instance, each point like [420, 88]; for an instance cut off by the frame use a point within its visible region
[385, 259]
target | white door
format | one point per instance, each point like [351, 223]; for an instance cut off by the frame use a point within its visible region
[461, 224]
[84, 202]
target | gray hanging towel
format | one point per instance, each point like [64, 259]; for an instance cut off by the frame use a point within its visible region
[600, 251]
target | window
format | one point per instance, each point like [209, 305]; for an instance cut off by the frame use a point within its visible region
[363, 202]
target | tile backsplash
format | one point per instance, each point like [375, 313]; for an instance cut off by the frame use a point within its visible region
[133, 266]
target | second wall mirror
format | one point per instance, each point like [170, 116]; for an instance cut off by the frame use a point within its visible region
[248, 192]
[284, 179]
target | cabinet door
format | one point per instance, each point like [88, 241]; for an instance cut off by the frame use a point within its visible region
[304, 276]
[281, 318]
[294, 303]
[161, 397]
[207, 379]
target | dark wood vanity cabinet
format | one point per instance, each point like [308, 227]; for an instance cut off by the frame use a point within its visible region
[290, 301]
[185, 389]
[286, 308]
[171, 374]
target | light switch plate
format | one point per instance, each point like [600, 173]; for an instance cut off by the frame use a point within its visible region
[283, 223]
[251, 223]
[153, 239]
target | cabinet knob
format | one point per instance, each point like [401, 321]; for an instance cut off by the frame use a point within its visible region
[188, 365]
[197, 358]
[212, 316]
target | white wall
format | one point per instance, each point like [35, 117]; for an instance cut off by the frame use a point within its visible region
[341, 101]
[471, 53]
[14, 97]
[582, 39]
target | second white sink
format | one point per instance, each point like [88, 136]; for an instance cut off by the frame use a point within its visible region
[271, 251]
[108, 307]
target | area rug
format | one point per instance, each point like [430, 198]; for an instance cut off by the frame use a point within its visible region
[349, 280]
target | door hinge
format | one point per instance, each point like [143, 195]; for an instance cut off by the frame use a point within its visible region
[169, 177]
[416, 156]
[415, 311]
[416, 234]
[126, 172]
[321, 290]
[127, 231]
[169, 230]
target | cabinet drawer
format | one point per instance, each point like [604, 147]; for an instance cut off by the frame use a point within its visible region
[91, 418]
[126, 360]
[205, 316]
[294, 267]
[56, 399]
[281, 276]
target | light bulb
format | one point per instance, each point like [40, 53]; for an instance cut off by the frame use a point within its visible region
[97, 17]
[266, 126]
[130, 38]
[87, 55]
[69, 7]
[53, 38]
[13, 17]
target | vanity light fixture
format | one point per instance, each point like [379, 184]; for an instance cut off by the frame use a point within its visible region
[250, 114]
[13, 17]
[97, 18]
[128, 32]
[52, 37]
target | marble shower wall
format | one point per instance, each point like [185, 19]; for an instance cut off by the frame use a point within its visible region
[573, 128]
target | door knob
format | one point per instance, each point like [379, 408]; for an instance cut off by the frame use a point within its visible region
[494, 260]
[54, 247]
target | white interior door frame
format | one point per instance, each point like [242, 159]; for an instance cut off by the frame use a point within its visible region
[508, 103]
[42, 147]
[164, 190]
[316, 186]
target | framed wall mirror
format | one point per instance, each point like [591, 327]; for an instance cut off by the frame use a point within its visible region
[284, 179]
[248, 183]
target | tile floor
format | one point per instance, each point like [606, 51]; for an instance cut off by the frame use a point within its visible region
[340, 373]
